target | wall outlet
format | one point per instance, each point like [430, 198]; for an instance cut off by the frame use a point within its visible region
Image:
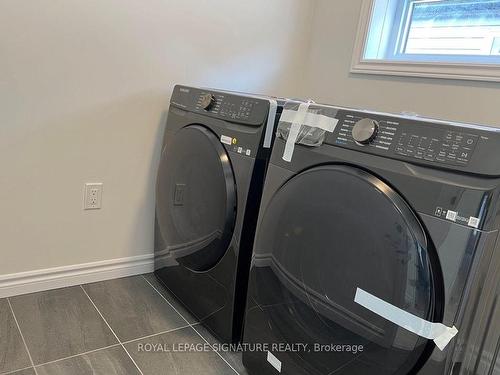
[92, 196]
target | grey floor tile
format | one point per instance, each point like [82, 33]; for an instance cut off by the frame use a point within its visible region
[132, 308]
[13, 354]
[60, 323]
[234, 358]
[111, 361]
[170, 297]
[28, 371]
[163, 354]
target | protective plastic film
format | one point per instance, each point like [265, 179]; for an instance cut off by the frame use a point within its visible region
[305, 124]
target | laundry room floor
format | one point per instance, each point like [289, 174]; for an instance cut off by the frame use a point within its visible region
[112, 327]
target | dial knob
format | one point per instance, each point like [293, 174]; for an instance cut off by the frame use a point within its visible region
[207, 101]
[365, 130]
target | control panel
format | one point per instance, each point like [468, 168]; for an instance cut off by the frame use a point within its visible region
[226, 106]
[222, 105]
[449, 145]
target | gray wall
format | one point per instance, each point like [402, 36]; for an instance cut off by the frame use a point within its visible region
[83, 88]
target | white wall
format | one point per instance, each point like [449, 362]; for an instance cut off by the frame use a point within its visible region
[328, 78]
[83, 89]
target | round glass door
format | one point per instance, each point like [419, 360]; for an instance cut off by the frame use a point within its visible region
[196, 198]
[327, 232]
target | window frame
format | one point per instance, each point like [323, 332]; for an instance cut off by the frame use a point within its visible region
[429, 66]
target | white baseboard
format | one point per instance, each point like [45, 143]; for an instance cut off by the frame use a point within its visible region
[59, 277]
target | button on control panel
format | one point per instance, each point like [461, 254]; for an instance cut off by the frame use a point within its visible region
[449, 147]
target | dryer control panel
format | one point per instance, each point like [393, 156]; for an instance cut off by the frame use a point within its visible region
[225, 106]
[470, 148]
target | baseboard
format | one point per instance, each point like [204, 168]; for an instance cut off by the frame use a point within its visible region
[59, 277]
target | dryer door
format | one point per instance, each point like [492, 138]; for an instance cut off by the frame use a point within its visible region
[326, 232]
[195, 199]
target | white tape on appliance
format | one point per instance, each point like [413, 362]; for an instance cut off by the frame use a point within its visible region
[439, 333]
[275, 362]
[300, 118]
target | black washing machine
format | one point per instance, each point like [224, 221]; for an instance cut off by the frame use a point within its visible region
[373, 246]
[214, 157]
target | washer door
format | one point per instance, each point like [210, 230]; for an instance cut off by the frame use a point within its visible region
[325, 233]
[196, 199]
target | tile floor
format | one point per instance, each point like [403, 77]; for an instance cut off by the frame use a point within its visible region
[105, 328]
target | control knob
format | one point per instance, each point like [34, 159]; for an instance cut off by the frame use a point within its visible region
[207, 101]
[365, 131]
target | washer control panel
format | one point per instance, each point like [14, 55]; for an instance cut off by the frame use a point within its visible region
[226, 106]
[442, 146]
[450, 145]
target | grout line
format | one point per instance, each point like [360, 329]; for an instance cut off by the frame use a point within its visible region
[157, 334]
[199, 334]
[14, 371]
[105, 321]
[22, 336]
[77, 355]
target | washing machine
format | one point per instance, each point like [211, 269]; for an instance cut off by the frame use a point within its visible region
[376, 249]
[214, 157]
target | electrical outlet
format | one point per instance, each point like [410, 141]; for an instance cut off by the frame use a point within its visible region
[93, 196]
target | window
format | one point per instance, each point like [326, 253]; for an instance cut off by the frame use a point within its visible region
[436, 38]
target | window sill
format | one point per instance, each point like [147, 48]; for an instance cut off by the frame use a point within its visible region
[474, 72]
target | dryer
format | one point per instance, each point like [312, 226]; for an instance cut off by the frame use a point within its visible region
[374, 246]
[214, 158]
